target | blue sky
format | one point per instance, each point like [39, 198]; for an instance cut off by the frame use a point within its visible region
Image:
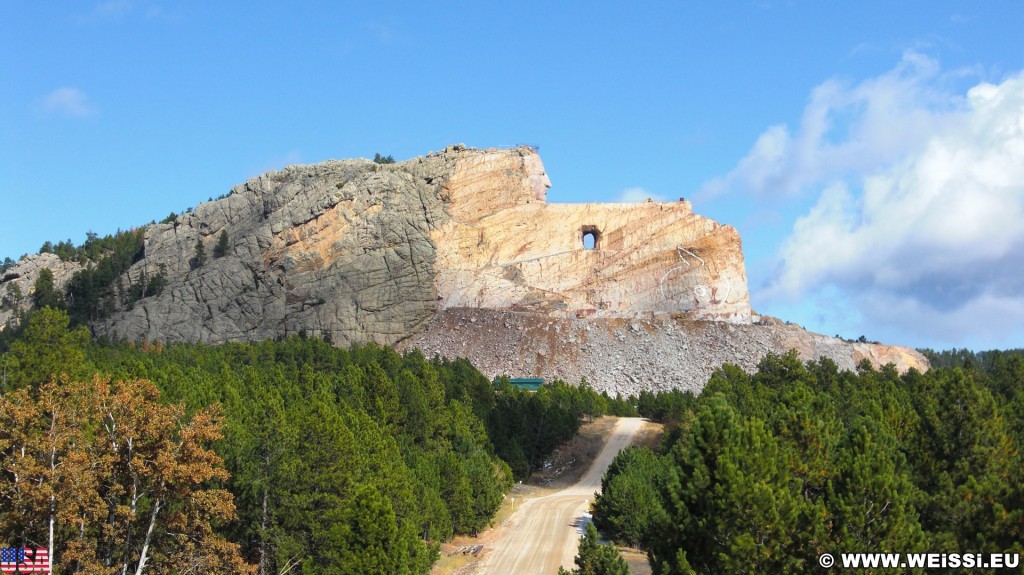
[870, 153]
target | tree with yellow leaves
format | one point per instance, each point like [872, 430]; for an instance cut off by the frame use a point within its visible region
[113, 481]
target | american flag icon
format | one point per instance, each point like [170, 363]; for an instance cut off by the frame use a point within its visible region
[24, 560]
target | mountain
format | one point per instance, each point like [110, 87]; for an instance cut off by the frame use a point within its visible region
[459, 253]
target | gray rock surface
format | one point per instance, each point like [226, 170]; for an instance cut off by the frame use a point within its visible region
[631, 355]
[339, 249]
[24, 274]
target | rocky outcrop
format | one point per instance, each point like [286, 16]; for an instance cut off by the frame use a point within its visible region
[357, 251]
[21, 279]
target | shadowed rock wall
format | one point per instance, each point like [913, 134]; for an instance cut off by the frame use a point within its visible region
[339, 249]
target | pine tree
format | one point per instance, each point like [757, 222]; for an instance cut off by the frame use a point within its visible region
[967, 459]
[628, 507]
[221, 249]
[12, 297]
[362, 538]
[731, 507]
[871, 499]
[44, 293]
[47, 349]
[262, 446]
[596, 559]
[199, 259]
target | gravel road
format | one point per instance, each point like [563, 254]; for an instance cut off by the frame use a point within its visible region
[545, 531]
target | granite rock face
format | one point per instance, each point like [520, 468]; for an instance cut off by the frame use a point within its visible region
[22, 278]
[340, 250]
[357, 251]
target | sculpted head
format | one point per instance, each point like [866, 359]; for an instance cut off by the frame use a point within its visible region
[539, 182]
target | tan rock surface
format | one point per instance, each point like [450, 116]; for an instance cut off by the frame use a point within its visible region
[506, 248]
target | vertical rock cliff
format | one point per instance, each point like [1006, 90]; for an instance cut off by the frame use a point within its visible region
[505, 247]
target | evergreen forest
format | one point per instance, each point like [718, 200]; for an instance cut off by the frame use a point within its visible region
[295, 456]
[274, 457]
[762, 473]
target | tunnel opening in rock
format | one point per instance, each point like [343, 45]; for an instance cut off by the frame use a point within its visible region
[591, 237]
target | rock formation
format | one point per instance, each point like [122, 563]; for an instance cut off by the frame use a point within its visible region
[21, 279]
[339, 249]
[505, 247]
[357, 251]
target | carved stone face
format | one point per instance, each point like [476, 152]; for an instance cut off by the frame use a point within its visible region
[539, 181]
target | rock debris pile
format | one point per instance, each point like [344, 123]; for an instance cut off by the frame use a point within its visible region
[630, 355]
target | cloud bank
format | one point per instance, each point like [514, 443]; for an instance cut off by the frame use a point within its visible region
[119, 9]
[846, 129]
[69, 102]
[920, 201]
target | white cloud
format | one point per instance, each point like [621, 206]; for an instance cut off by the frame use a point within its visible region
[386, 34]
[115, 10]
[919, 217]
[844, 129]
[986, 321]
[637, 195]
[67, 101]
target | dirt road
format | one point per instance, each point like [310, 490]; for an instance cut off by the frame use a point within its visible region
[544, 532]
